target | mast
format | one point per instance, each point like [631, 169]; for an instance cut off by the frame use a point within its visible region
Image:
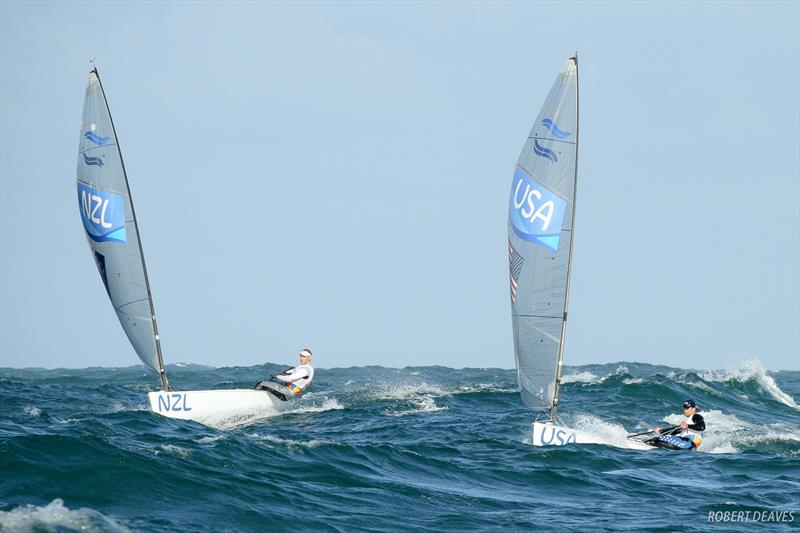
[554, 408]
[161, 370]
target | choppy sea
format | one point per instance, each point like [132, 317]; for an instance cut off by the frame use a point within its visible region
[385, 449]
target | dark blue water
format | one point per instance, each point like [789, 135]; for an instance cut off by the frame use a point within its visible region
[380, 449]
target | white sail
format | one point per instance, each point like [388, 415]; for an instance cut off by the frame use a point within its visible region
[106, 209]
[540, 223]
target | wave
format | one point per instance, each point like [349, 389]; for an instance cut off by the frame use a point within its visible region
[425, 404]
[448, 443]
[280, 442]
[175, 450]
[751, 371]
[590, 378]
[56, 517]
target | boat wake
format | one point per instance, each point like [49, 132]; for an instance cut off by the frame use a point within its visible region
[248, 416]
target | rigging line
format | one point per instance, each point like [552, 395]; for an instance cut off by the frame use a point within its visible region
[130, 303]
[551, 139]
[164, 381]
[93, 185]
[96, 148]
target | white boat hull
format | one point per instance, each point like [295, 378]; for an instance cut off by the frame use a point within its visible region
[549, 434]
[212, 406]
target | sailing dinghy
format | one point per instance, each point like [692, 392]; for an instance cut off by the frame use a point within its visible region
[541, 216]
[106, 208]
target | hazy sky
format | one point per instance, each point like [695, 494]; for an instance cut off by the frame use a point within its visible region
[336, 175]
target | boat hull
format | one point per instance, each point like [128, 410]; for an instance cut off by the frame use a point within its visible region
[549, 434]
[212, 405]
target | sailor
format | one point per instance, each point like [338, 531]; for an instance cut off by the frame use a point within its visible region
[692, 427]
[292, 381]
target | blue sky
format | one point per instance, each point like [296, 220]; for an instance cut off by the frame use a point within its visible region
[335, 175]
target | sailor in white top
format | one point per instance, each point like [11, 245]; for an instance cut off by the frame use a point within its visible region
[296, 379]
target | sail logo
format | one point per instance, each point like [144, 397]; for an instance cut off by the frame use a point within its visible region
[554, 129]
[540, 150]
[102, 213]
[534, 212]
[95, 138]
[98, 161]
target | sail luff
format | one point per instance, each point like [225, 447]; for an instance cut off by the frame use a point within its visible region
[559, 365]
[161, 370]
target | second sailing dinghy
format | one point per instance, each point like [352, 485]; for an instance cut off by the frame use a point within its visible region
[541, 216]
[106, 209]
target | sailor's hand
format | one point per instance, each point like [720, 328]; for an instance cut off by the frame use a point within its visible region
[683, 425]
[657, 430]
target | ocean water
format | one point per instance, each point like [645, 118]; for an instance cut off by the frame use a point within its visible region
[384, 449]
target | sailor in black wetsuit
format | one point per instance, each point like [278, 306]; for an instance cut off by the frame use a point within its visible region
[691, 434]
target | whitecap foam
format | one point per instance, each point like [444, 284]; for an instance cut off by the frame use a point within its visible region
[290, 443]
[210, 439]
[751, 369]
[236, 419]
[406, 392]
[175, 450]
[55, 516]
[32, 411]
[588, 377]
[484, 387]
[582, 377]
[425, 404]
[594, 430]
[773, 433]
[329, 404]
[702, 386]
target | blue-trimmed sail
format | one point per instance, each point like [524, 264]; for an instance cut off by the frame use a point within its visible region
[107, 214]
[540, 219]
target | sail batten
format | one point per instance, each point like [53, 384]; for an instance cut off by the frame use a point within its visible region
[109, 219]
[540, 223]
